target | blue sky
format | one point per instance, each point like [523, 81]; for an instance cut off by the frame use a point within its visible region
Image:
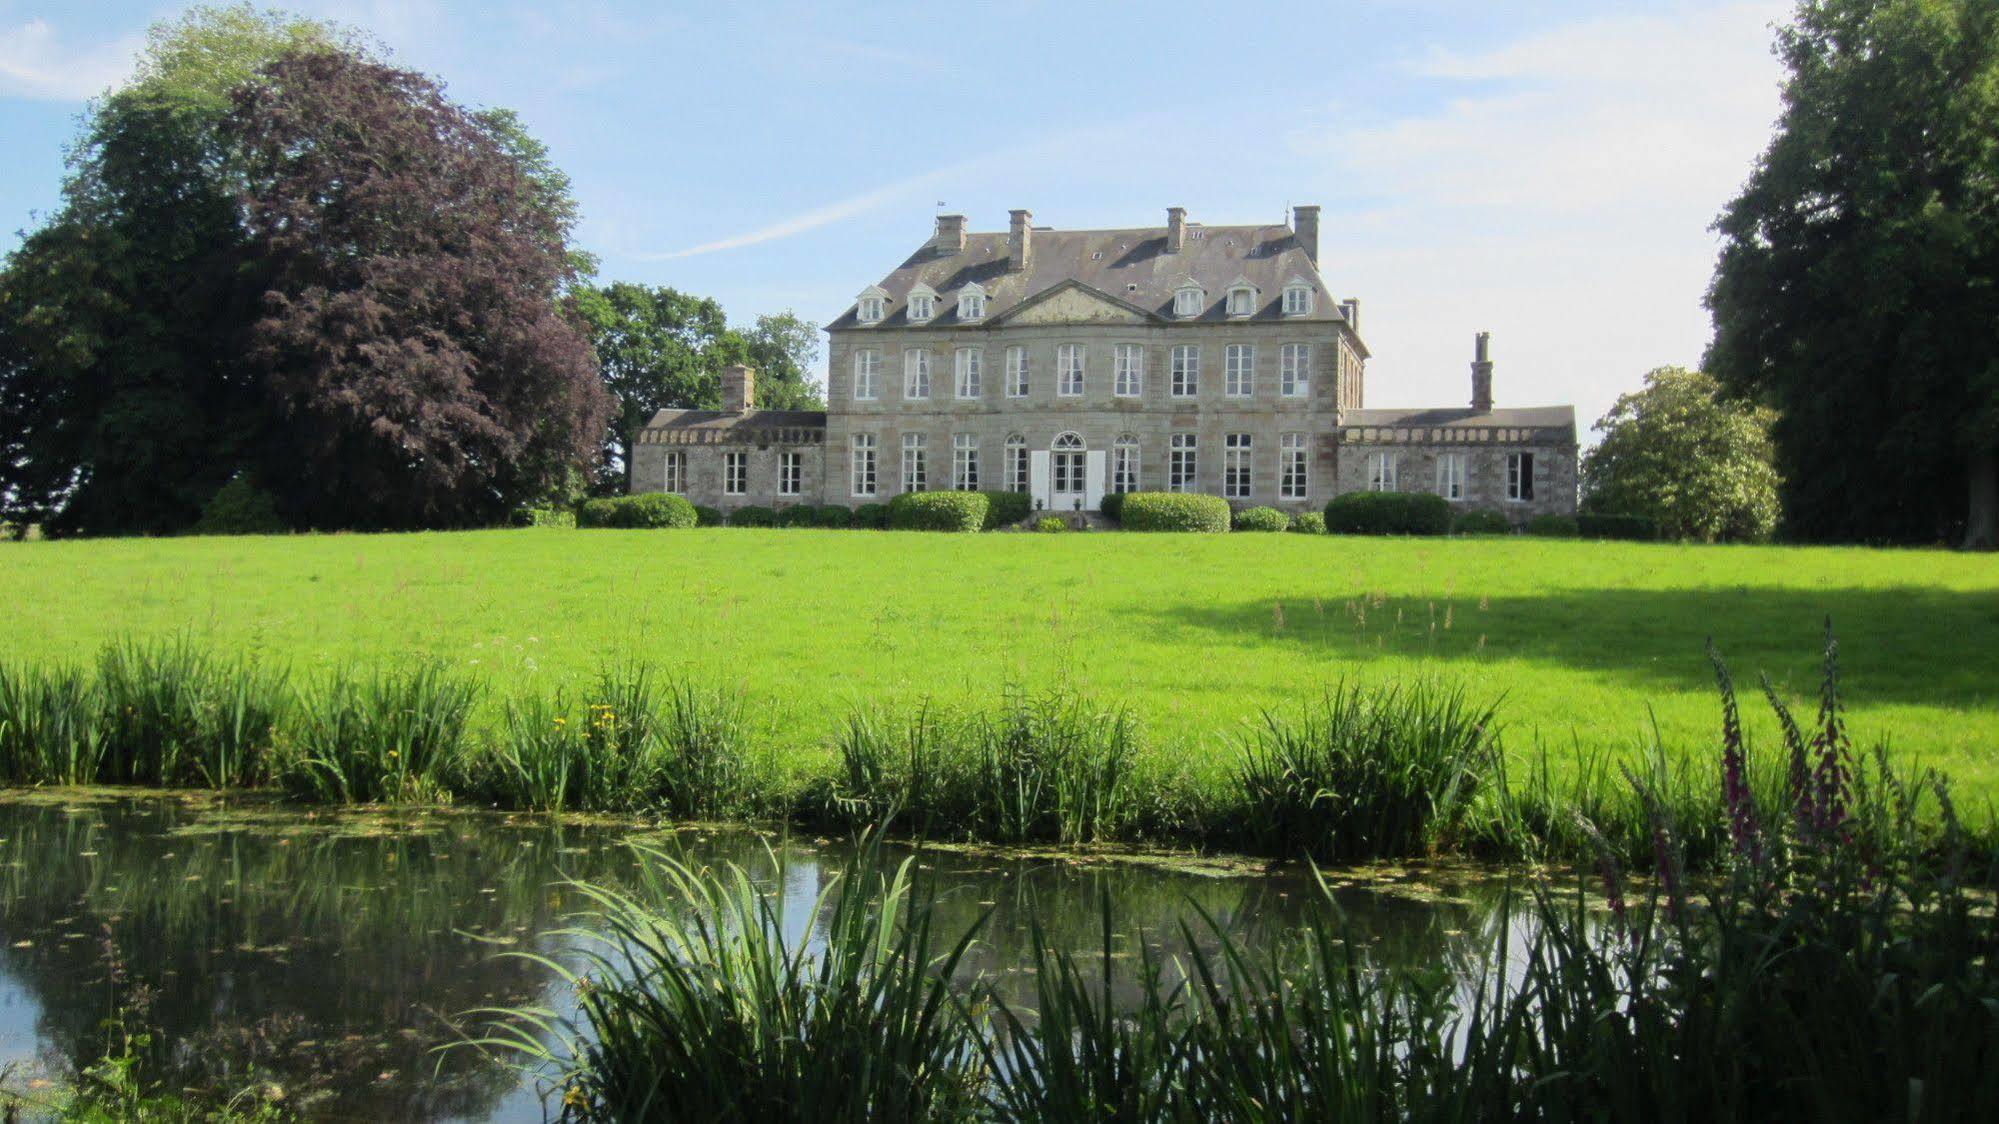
[1546, 171]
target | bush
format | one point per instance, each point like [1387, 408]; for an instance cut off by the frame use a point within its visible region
[797, 515]
[1113, 506]
[1552, 526]
[1308, 523]
[753, 516]
[938, 511]
[871, 516]
[649, 510]
[1261, 519]
[545, 515]
[1006, 508]
[1388, 513]
[1050, 525]
[596, 513]
[835, 515]
[1634, 528]
[1173, 511]
[705, 516]
[240, 508]
[1483, 521]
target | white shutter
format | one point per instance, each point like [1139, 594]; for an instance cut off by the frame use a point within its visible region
[1037, 477]
[1093, 479]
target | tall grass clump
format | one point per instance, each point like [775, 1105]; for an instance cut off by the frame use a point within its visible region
[1365, 773]
[897, 768]
[608, 756]
[704, 750]
[1054, 767]
[51, 726]
[711, 1011]
[175, 714]
[378, 736]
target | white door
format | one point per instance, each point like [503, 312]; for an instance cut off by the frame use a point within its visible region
[1093, 479]
[1067, 487]
[1037, 477]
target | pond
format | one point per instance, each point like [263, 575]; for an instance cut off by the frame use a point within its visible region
[334, 952]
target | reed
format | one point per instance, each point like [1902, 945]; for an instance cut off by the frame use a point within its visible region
[51, 726]
[380, 736]
[704, 751]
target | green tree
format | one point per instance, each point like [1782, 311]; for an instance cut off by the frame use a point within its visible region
[784, 349]
[657, 349]
[1859, 275]
[1681, 454]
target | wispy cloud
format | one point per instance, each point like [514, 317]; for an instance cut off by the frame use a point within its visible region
[816, 217]
[35, 63]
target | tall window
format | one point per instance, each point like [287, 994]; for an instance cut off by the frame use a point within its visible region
[864, 464]
[1124, 464]
[790, 473]
[1181, 465]
[1384, 471]
[1294, 464]
[1069, 370]
[915, 374]
[915, 473]
[867, 375]
[676, 472]
[1239, 370]
[735, 473]
[1520, 477]
[1186, 370]
[970, 360]
[1130, 369]
[965, 462]
[1016, 372]
[1451, 476]
[1295, 370]
[1235, 466]
[1016, 463]
[1065, 463]
[1297, 300]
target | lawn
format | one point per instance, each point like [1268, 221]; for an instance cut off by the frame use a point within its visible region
[1589, 643]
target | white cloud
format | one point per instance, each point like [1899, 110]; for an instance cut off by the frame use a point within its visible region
[815, 218]
[34, 63]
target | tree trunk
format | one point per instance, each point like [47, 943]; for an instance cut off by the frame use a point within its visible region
[1981, 530]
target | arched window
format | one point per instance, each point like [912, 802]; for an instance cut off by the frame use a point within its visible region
[1016, 463]
[1124, 464]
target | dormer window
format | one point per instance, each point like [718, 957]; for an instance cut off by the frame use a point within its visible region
[1242, 298]
[1297, 298]
[871, 305]
[1188, 300]
[971, 303]
[922, 304]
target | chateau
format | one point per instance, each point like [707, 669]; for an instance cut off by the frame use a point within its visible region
[1071, 363]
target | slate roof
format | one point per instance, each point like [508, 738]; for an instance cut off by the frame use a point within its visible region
[1561, 418]
[1131, 265]
[721, 421]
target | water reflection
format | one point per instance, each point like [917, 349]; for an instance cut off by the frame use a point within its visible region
[332, 952]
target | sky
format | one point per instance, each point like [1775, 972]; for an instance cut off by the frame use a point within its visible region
[1545, 171]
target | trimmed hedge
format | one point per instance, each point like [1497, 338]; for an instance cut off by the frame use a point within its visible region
[641, 512]
[835, 515]
[1552, 526]
[1308, 523]
[1634, 528]
[1261, 519]
[1112, 506]
[753, 516]
[1388, 513]
[595, 513]
[705, 516]
[1006, 508]
[798, 515]
[1174, 511]
[1482, 521]
[939, 511]
[871, 516]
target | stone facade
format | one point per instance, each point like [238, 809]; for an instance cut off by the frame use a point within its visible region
[1203, 359]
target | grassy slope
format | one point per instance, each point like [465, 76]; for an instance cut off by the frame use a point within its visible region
[1198, 632]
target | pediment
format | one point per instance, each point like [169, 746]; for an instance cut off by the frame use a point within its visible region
[1073, 302]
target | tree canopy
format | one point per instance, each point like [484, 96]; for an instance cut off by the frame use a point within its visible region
[1681, 455]
[1859, 275]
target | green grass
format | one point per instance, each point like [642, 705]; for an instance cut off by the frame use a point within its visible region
[1196, 634]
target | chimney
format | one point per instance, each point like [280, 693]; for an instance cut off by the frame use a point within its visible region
[1176, 228]
[1481, 374]
[950, 235]
[1305, 227]
[739, 389]
[1350, 308]
[1020, 242]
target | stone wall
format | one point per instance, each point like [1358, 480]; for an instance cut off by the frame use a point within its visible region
[704, 469]
[1485, 475]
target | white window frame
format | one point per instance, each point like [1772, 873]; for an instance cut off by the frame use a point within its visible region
[1128, 365]
[1294, 467]
[916, 373]
[1451, 476]
[870, 310]
[972, 304]
[867, 375]
[1238, 466]
[1071, 370]
[922, 304]
[1183, 463]
[969, 366]
[1241, 300]
[965, 462]
[1520, 477]
[736, 473]
[790, 473]
[915, 462]
[1016, 463]
[1016, 372]
[673, 473]
[1297, 300]
[1188, 301]
[1239, 370]
[1124, 464]
[1186, 371]
[864, 462]
[1068, 462]
[1294, 379]
[1384, 472]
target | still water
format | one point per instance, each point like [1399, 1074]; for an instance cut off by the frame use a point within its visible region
[332, 953]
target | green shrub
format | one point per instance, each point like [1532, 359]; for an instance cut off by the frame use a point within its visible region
[240, 508]
[545, 515]
[653, 510]
[1173, 511]
[1050, 525]
[871, 516]
[1112, 506]
[1633, 528]
[938, 511]
[705, 516]
[1388, 513]
[1260, 519]
[1481, 521]
[1007, 508]
[798, 515]
[1308, 523]
[835, 515]
[597, 512]
[753, 516]
[1552, 526]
